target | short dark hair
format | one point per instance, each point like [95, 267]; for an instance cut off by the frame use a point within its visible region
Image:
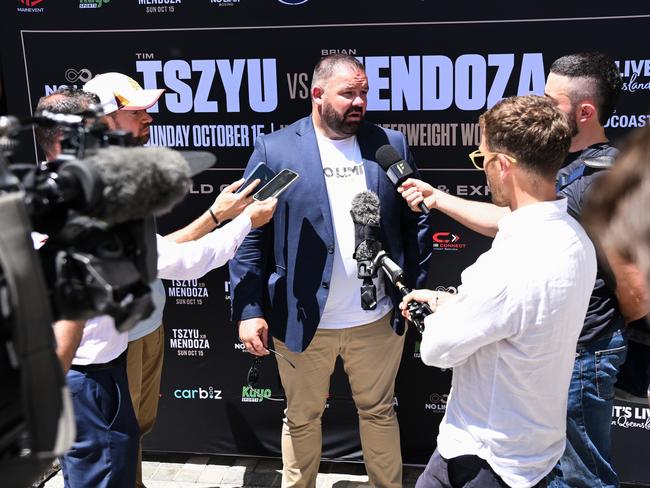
[532, 130]
[325, 67]
[65, 100]
[602, 80]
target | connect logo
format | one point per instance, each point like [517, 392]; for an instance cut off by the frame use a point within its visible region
[446, 241]
[73, 75]
[198, 394]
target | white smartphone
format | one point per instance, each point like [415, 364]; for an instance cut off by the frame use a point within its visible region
[277, 185]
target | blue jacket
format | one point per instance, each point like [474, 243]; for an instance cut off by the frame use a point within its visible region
[281, 272]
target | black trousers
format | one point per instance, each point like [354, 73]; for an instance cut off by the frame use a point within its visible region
[461, 472]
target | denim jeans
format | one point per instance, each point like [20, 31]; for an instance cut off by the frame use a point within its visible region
[586, 462]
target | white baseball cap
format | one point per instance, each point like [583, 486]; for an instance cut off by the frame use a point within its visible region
[119, 92]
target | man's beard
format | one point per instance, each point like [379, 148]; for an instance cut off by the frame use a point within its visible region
[496, 193]
[142, 139]
[573, 124]
[338, 124]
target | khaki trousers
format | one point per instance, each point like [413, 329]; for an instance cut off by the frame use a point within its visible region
[144, 362]
[371, 355]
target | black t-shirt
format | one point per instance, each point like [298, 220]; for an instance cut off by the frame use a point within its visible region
[603, 314]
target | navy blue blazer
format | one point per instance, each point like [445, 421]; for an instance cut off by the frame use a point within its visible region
[281, 272]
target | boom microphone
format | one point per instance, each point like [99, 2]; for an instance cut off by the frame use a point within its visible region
[396, 168]
[137, 182]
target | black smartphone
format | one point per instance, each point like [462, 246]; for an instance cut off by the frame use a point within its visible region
[262, 172]
[277, 185]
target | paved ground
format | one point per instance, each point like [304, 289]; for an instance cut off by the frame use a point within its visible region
[187, 471]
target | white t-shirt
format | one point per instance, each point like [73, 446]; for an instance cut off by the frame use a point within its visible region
[345, 178]
[510, 335]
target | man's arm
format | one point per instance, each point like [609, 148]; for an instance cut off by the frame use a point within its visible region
[226, 206]
[68, 335]
[631, 290]
[193, 259]
[481, 217]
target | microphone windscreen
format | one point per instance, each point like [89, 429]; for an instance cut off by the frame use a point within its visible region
[386, 156]
[198, 161]
[139, 182]
[367, 250]
[365, 208]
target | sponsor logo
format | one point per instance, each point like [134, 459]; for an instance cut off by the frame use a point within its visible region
[211, 393]
[82, 75]
[188, 292]
[416, 351]
[92, 3]
[635, 74]
[437, 402]
[446, 241]
[30, 6]
[254, 395]
[189, 342]
[628, 417]
[293, 2]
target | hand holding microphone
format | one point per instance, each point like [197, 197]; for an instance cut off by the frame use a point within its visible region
[416, 193]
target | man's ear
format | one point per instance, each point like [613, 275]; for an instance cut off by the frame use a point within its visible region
[317, 94]
[587, 111]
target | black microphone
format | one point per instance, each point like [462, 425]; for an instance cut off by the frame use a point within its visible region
[138, 182]
[396, 168]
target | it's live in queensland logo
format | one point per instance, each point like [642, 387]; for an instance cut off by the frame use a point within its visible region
[92, 3]
[446, 241]
[30, 6]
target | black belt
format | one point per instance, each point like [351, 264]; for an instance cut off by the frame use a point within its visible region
[85, 368]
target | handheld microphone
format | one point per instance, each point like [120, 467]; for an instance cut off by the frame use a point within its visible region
[134, 183]
[396, 168]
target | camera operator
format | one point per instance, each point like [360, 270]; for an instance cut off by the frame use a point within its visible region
[510, 332]
[106, 450]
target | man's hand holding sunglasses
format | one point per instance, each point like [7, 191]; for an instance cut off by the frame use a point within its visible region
[254, 334]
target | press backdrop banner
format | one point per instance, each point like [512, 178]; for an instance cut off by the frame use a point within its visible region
[235, 69]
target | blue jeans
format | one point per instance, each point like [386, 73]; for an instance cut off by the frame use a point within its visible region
[586, 461]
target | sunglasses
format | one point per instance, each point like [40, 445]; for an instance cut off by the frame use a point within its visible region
[478, 158]
[254, 373]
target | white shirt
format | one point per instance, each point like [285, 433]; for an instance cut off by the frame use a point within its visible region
[510, 334]
[344, 179]
[102, 343]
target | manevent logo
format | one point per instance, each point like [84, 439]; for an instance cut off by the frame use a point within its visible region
[92, 3]
[82, 75]
[631, 417]
[30, 6]
[211, 393]
[437, 402]
[446, 241]
[254, 395]
[188, 342]
[188, 292]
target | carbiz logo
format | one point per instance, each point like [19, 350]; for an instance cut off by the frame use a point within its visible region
[198, 394]
[437, 402]
[92, 3]
[30, 6]
[254, 395]
[446, 241]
